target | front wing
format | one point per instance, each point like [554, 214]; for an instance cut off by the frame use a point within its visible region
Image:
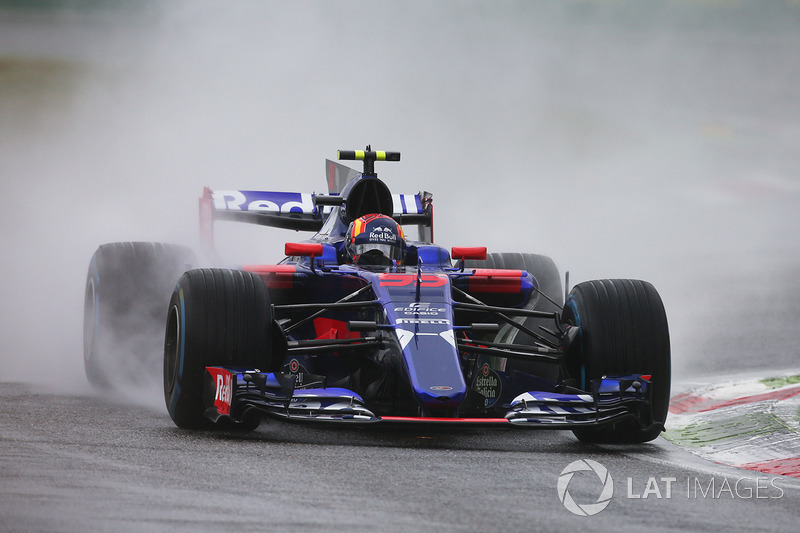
[235, 394]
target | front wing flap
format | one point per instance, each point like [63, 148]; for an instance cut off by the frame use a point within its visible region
[613, 399]
[231, 393]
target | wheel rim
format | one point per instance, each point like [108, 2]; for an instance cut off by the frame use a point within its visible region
[572, 318]
[171, 349]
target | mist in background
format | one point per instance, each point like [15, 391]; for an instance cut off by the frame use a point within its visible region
[651, 140]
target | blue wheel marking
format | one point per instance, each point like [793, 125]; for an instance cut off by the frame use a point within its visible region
[183, 329]
[176, 390]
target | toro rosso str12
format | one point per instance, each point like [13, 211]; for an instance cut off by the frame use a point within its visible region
[363, 324]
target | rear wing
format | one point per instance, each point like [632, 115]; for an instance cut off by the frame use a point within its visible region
[298, 211]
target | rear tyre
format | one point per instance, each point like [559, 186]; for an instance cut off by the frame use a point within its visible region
[216, 317]
[623, 330]
[546, 273]
[127, 291]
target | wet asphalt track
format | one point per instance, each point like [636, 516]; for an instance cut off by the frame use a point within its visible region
[82, 463]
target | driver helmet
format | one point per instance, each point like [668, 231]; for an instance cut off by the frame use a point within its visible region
[375, 240]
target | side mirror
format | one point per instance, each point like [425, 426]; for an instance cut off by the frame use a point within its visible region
[303, 249]
[474, 252]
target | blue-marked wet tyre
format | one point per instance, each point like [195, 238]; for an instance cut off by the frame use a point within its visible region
[127, 291]
[623, 330]
[216, 317]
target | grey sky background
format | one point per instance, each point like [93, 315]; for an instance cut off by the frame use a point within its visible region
[652, 140]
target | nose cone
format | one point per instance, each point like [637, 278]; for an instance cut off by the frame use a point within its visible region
[440, 399]
[434, 368]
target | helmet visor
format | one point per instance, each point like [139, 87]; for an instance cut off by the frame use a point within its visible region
[392, 252]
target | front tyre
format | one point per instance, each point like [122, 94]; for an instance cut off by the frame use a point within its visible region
[216, 317]
[623, 331]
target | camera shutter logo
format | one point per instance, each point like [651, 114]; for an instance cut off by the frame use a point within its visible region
[586, 509]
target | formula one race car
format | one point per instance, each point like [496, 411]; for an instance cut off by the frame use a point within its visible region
[362, 325]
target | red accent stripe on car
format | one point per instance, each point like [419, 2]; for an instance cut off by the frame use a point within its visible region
[498, 273]
[274, 276]
[492, 280]
[329, 328]
[266, 269]
[427, 419]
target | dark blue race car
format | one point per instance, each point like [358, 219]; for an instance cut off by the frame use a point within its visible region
[361, 324]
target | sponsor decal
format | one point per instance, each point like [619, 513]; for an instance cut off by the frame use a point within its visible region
[276, 202]
[382, 234]
[419, 309]
[434, 321]
[223, 381]
[285, 202]
[487, 383]
[441, 387]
